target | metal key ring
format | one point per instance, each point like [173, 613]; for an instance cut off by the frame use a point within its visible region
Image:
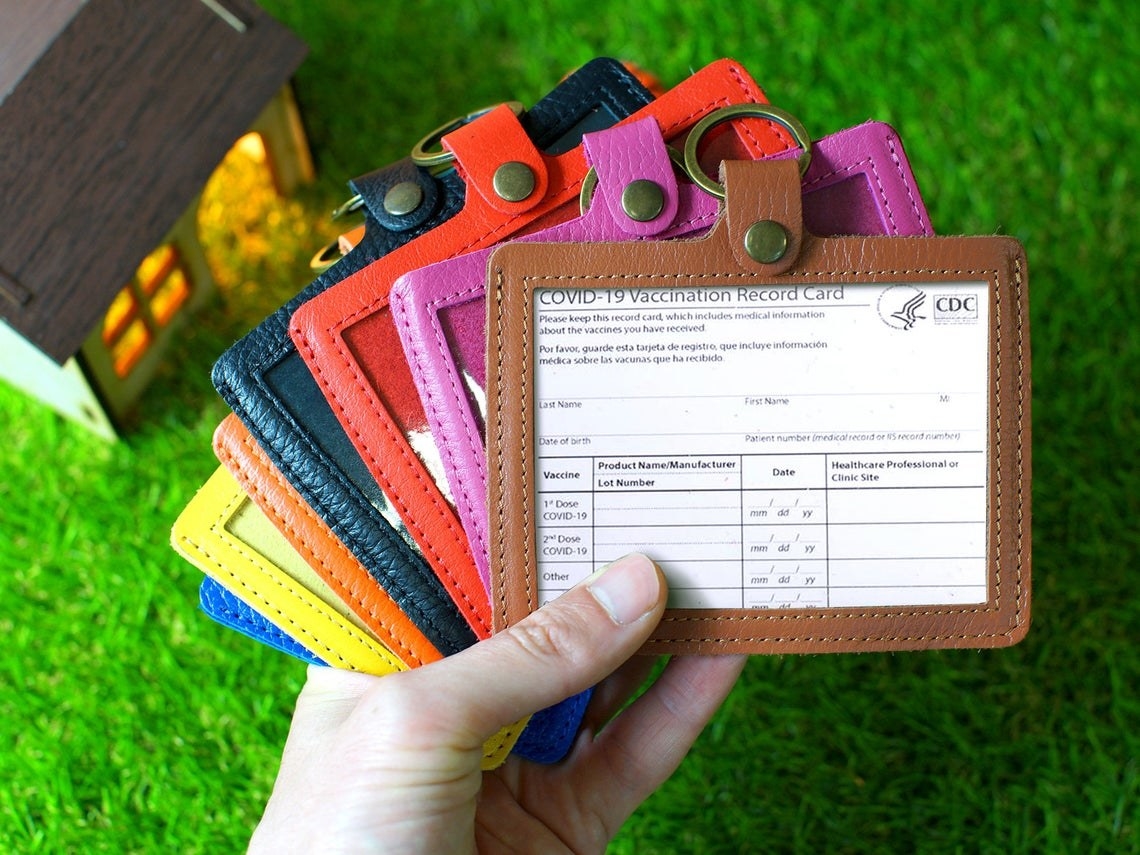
[329, 255]
[747, 111]
[590, 181]
[354, 204]
[442, 157]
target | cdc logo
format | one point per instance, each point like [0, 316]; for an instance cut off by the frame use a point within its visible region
[955, 308]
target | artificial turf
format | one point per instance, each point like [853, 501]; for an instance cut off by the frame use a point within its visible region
[130, 723]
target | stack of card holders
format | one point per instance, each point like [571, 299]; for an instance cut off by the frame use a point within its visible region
[354, 520]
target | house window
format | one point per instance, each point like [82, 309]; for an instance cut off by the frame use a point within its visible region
[147, 304]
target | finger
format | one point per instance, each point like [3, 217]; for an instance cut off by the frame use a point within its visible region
[616, 690]
[644, 745]
[323, 705]
[559, 650]
[332, 691]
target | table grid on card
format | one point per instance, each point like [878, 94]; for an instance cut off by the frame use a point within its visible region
[772, 531]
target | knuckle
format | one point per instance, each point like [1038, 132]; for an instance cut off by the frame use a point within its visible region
[544, 636]
[540, 639]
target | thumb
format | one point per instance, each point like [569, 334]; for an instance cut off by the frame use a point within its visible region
[563, 648]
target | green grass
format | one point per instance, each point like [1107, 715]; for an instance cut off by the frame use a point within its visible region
[131, 723]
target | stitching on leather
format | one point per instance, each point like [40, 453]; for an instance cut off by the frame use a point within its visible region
[220, 531]
[907, 184]
[524, 437]
[739, 76]
[414, 468]
[430, 404]
[475, 443]
[800, 273]
[502, 562]
[806, 639]
[870, 162]
[255, 594]
[668, 132]
[279, 579]
[553, 201]
[493, 752]
[351, 590]
[627, 85]
[379, 301]
[263, 631]
[269, 356]
[430, 318]
[1018, 284]
[400, 445]
[997, 445]
[607, 95]
[569, 722]
[989, 275]
[883, 195]
[509, 735]
[851, 167]
[350, 587]
[392, 584]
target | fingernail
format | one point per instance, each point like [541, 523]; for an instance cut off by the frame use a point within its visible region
[627, 588]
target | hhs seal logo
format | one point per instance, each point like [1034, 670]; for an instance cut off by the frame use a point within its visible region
[901, 306]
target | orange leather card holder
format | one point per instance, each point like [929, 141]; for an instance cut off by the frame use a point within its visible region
[311, 537]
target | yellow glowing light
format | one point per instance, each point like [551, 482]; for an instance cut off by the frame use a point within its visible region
[155, 267]
[169, 297]
[123, 308]
[252, 146]
[129, 349]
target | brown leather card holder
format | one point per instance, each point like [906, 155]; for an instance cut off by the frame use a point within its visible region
[823, 442]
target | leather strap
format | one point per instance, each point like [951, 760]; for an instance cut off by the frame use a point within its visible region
[632, 152]
[480, 163]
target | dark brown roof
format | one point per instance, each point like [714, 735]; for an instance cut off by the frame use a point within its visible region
[113, 114]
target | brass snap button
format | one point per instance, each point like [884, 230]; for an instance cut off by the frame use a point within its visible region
[766, 241]
[513, 181]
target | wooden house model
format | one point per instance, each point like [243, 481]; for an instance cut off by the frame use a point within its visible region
[113, 115]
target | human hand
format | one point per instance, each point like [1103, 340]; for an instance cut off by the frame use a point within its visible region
[392, 764]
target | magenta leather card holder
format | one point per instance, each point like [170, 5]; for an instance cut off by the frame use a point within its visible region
[859, 183]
